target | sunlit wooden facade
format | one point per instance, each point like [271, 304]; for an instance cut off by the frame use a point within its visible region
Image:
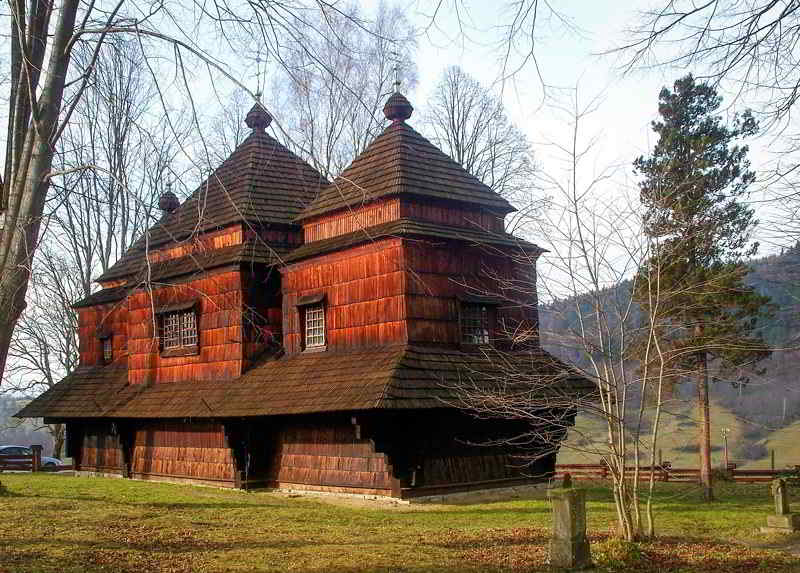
[281, 330]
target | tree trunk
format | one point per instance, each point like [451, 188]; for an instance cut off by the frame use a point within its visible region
[57, 432]
[26, 182]
[704, 434]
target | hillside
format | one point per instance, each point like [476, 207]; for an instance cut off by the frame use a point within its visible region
[761, 408]
[677, 439]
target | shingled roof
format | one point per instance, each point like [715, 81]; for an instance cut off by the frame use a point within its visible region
[386, 378]
[261, 183]
[399, 161]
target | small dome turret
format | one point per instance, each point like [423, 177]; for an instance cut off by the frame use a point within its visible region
[397, 107]
[168, 201]
[258, 117]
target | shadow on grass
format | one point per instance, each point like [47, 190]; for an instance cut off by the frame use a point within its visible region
[151, 504]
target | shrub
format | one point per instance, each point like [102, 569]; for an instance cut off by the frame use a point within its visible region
[617, 554]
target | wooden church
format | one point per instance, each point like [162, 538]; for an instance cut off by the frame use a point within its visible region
[279, 330]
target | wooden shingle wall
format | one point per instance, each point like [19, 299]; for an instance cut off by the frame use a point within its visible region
[263, 318]
[96, 320]
[219, 300]
[328, 455]
[350, 220]
[100, 448]
[439, 274]
[196, 451]
[451, 214]
[363, 288]
[219, 239]
[394, 208]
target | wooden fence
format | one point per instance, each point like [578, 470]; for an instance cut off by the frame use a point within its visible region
[666, 473]
[29, 463]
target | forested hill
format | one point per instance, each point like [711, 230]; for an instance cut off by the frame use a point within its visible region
[770, 398]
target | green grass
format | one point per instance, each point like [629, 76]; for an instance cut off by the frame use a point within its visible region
[52, 523]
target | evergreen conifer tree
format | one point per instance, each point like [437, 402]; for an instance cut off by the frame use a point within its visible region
[692, 186]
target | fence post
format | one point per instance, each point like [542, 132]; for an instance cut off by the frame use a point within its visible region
[772, 460]
[36, 463]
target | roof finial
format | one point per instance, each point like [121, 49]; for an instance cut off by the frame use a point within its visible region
[397, 108]
[258, 118]
[168, 201]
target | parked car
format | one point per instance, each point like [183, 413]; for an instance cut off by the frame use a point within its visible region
[26, 451]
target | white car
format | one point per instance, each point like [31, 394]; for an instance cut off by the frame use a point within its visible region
[47, 461]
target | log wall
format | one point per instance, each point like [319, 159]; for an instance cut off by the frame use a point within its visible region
[328, 455]
[363, 288]
[220, 348]
[184, 450]
[440, 451]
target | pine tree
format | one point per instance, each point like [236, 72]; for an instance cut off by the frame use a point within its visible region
[692, 186]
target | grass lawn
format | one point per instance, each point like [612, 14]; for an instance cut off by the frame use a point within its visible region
[53, 523]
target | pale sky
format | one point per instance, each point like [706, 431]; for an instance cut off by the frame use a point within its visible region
[567, 57]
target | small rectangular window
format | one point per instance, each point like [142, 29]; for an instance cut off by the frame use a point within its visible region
[108, 350]
[474, 323]
[179, 330]
[315, 325]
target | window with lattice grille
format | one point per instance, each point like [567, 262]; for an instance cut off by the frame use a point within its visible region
[475, 323]
[315, 325]
[179, 330]
[108, 350]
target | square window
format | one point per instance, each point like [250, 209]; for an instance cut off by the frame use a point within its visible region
[315, 325]
[475, 324]
[179, 330]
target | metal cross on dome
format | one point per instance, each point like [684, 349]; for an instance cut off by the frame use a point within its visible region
[259, 72]
[397, 82]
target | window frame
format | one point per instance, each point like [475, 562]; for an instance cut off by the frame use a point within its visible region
[313, 302]
[184, 325]
[487, 315]
[321, 326]
[108, 357]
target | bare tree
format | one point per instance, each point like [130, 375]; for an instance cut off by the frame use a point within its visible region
[331, 97]
[596, 247]
[92, 216]
[45, 343]
[47, 81]
[753, 45]
[470, 124]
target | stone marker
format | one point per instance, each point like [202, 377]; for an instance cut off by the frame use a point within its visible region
[784, 521]
[569, 546]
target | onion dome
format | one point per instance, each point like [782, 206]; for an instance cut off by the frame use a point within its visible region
[168, 202]
[397, 107]
[258, 117]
